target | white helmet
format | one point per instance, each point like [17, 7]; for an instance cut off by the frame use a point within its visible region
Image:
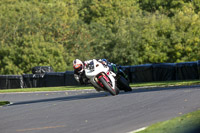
[78, 65]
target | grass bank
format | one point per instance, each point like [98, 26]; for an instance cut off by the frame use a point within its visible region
[64, 88]
[60, 88]
[4, 103]
[188, 123]
[168, 83]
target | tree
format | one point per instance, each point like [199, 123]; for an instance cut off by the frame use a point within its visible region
[185, 45]
[107, 12]
[31, 51]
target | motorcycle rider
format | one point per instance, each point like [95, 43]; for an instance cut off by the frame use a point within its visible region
[79, 70]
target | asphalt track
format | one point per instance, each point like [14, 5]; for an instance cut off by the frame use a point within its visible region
[92, 112]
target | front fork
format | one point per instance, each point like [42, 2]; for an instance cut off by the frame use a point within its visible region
[105, 77]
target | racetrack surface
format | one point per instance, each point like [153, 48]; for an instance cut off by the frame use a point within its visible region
[89, 111]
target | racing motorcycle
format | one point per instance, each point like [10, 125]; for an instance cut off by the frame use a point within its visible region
[101, 77]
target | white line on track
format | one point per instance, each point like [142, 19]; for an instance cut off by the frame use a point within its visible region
[140, 129]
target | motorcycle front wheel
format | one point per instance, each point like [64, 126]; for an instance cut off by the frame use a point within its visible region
[108, 87]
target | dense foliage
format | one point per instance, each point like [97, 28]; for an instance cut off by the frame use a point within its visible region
[127, 32]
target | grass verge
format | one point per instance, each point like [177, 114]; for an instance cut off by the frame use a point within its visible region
[60, 88]
[188, 123]
[64, 88]
[168, 83]
[4, 103]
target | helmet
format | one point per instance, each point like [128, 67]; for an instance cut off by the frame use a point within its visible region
[78, 65]
[104, 61]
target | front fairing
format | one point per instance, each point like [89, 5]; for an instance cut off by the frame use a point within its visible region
[94, 69]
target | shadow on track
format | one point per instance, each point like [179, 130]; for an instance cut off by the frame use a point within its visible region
[105, 94]
[66, 98]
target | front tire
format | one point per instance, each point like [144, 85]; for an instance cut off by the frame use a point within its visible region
[108, 87]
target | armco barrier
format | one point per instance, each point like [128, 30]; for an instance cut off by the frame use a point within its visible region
[50, 79]
[69, 79]
[53, 79]
[33, 80]
[187, 71]
[137, 73]
[164, 71]
[141, 73]
[3, 82]
[11, 81]
[198, 66]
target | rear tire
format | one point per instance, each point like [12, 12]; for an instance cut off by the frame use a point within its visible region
[108, 86]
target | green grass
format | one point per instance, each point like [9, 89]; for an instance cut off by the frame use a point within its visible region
[64, 88]
[4, 103]
[168, 83]
[61, 88]
[187, 123]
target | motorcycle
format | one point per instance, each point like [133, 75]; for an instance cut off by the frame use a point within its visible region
[101, 77]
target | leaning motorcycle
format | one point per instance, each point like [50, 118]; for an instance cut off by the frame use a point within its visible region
[101, 77]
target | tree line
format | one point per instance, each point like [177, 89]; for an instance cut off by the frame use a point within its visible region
[126, 32]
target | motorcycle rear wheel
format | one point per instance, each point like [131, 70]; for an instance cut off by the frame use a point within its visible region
[108, 87]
